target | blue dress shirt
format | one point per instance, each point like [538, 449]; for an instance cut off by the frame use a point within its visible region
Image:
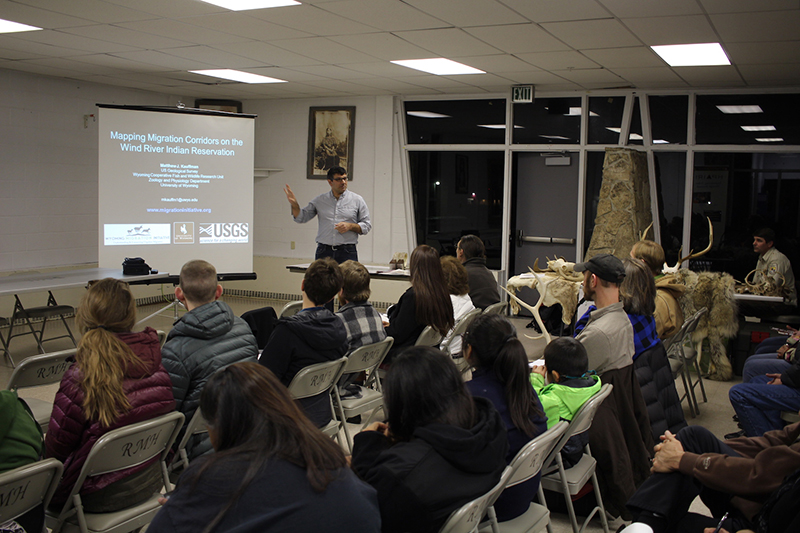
[349, 207]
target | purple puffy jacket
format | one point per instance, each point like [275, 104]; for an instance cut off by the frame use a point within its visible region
[71, 436]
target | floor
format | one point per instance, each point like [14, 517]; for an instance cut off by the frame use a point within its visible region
[715, 414]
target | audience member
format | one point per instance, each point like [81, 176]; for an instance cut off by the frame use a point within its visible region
[314, 335]
[206, 338]
[116, 380]
[735, 476]
[501, 374]
[668, 313]
[564, 384]
[272, 470]
[482, 284]
[425, 303]
[638, 295]
[20, 444]
[455, 276]
[361, 321]
[439, 449]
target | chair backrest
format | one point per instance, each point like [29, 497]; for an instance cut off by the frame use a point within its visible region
[316, 379]
[495, 309]
[529, 460]
[367, 357]
[162, 337]
[686, 330]
[460, 327]
[428, 337]
[25, 487]
[581, 422]
[292, 308]
[42, 369]
[466, 518]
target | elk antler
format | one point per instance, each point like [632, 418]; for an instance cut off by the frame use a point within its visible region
[669, 269]
[536, 266]
[643, 234]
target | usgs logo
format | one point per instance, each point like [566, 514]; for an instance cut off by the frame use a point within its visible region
[223, 232]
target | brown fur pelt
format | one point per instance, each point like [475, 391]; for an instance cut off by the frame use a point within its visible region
[714, 290]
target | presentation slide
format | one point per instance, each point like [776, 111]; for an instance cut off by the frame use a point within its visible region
[175, 186]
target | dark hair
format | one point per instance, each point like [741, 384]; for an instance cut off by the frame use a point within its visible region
[455, 275]
[651, 253]
[254, 419]
[198, 281]
[333, 171]
[322, 281]
[768, 234]
[472, 246]
[355, 281]
[424, 387]
[496, 348]
[566, 356]
[637, 292]
[433, 305]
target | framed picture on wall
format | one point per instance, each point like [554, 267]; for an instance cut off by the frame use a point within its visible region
[229, 106]
[330, 140]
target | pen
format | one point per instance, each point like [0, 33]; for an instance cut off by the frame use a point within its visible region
[719, 526]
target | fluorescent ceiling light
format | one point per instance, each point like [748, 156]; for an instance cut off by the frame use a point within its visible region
[615, 130]
[739, 109]
[499, 126]
[576, 112]
[237, 75]
[243, 5]
[439, 66]
[426, 114]
[758, 128]
[660, 141]
[770, 139]
[692, 55]
[555, 137]
[6, 26]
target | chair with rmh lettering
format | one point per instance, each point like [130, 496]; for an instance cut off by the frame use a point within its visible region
[319, 379]
[25, 488]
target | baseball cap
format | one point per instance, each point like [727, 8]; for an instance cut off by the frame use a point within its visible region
[604, 266]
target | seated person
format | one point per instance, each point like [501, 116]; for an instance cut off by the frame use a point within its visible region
[637, 293]
[455, 275]
[439, 449]
[734, 476]
[668, 313]
[20, 444]
[482, 285]
[564, 384]
[116, 380]
[206, 338]
[314, 335]
[501, 375]
[772, 356]
[272, 470]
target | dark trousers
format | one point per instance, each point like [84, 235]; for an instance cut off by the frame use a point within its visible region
[670, 495]
[340, 254]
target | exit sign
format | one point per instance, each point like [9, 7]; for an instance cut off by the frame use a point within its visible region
[522, 94]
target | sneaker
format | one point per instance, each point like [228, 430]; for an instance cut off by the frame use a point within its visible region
[735, 418]
[735, 435]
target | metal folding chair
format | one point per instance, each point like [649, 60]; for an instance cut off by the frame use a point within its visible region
[319, 379]
[24, 488]
[37, 371]
[44, 312]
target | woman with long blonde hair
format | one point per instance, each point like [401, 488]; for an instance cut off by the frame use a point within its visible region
[116, 380]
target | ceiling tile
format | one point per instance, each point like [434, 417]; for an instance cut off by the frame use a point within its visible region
[710, 76]
[324, 50]
[267, 54]
[103, 35]
[740, 6]
[649, 74]
[558, 11]
[311, 19]
[41, 18]
[763, 53]
[94, 10]
[601, 76]
[383, 46]
[672, 30]
[395, 86]
[8, 53]
[329, 71]
[243, 25]
[476, 13]
[119, 63]
[10, 41]
[387, 15]
[173, 29]
[434, 82]
[447, 42]
[638, 56]
[535, 77]
[584, 34]
[756, 27]
[169, 9]
[764, 75]
[154, 57]
[637, 8]
[518, 38]
[497, 63]
[558, 60]
[385, 69]
[211, 56]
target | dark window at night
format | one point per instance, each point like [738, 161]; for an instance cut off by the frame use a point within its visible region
[768, 119]
[548, 121]
[456, 121]
[668, 115]
[605, 119]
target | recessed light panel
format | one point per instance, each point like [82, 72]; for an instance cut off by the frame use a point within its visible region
[758, 128]
[769, 139]
[426, 114]
[237, 75]
[439, 66]
[244, 5]
[7, 26]
[739, 109]
[692, 55]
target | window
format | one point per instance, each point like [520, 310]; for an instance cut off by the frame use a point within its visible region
[456, 121]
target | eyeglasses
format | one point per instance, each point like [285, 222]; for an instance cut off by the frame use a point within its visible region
[339, 180]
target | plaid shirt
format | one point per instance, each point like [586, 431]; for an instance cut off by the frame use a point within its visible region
[645, 335]
[363, 324]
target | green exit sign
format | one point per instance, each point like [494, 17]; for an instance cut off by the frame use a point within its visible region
[522, 94]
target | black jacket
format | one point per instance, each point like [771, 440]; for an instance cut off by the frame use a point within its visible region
[442, 467]
[311, 336]
[482, 285]
[658, 390]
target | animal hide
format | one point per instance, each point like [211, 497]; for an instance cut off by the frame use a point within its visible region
[715, 291]
[559, 291]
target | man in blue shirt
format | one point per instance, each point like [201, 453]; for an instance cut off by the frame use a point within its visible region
[343, 216]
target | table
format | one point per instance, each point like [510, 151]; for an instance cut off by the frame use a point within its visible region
[758, 298]
[69, 279]
[375, 271]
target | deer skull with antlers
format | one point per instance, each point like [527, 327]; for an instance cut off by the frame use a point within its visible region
[672, 270]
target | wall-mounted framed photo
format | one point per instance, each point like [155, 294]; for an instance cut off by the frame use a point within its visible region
[229, 106]
[331, 132]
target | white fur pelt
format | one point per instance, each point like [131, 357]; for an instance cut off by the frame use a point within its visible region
[714, 290]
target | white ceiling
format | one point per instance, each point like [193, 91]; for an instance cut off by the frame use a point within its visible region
[343, 47]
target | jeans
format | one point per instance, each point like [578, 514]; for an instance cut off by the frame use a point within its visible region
[760, 364]
[759, 405]
[771, 344]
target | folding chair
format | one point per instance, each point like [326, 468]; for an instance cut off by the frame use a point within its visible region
[41, 370]
[681, 356]
[428, 337]
[319, 379]
[196, 426]
[364, 359]
[569, 482]
[26, 487]
[291, 308]
[467, 518]
[527, 463]
[495, 309]
[459, 329]
[117, 450]
[45, 312]
[162, 337]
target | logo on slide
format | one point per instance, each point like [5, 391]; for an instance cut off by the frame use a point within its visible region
[223, 233]
[128, 234]
[183, 232]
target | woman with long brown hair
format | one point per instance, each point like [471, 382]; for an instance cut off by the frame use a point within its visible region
[425, 303]
[272, 470]
[116, 380]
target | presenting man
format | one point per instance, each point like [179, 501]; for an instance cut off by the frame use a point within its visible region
[343, 216]
[773, 265]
